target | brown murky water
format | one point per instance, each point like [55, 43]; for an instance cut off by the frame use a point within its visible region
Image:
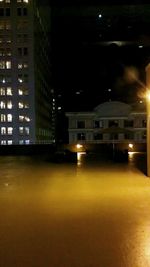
[67, 215]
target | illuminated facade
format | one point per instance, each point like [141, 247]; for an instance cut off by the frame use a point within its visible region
[26, 100]
[110, 122]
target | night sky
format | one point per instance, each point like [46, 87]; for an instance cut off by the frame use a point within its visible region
[94, 47]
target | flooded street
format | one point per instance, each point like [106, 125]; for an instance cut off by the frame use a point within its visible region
[90, 214]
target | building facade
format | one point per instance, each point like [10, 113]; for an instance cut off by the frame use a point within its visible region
[109, 123]
[26, 100]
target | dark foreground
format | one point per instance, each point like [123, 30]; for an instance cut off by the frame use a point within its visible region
[91, 214]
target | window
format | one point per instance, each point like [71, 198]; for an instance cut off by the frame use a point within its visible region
[113, 136]
[144, 123]
[98, 124]
[98, 136]
[3, 130]
[2, 104]
[27, 130]
[3, 142]
[23, 91]
[7, 12]
[2, 117]
[80, 124]
[25, 11]
[1, 12]
[10, 142]
[21, 130]
[2, 91]
[128, 123]
[10, 130]
[113, 123]
[19, 11]
[9, 91]
[9, 117]
[8, 64]
[81, 136]
[9, 104]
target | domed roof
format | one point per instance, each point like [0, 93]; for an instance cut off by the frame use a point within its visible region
[113, 108]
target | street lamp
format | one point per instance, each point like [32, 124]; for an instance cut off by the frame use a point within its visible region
[148, 116]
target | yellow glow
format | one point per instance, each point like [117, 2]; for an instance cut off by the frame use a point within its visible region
[148, 95]
[130, 145]
[79, 146]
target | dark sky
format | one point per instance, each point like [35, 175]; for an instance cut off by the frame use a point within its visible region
[92, 54]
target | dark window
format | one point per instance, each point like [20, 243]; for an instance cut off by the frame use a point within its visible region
[81, 136]
[98, 136]
[7, 11]
[113, 136]
[19, 11]
[144, 135]
[20, 51]
[98, 124]
[25, 11]
[128, 136]
[113, 123]
[128, 123]
[25, 51]
[80, 124]
[144, 123]
[1, 11]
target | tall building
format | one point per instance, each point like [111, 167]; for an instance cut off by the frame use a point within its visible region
[27, 105]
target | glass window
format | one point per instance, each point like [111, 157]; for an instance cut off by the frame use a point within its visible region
[19, 11]
[98, 136]
[3, 142]
[9, 91]
[3, 130]
[8, 64]
[9, 104]
[2, 104]
[2, 91]
[128, 123]
[20, 105]
[21, 130]
[10, 142]
[144, 123]
[113, 123]
[1, 12]
[81, 136]
[3, 117]
[27, 130]
[7, 12]
[9, 117]
[80, 124]
[10, 130]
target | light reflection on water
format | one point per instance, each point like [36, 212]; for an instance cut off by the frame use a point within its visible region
[92, 215]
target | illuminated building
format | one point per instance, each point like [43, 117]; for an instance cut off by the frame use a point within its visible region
[109, 123]
[27, 110]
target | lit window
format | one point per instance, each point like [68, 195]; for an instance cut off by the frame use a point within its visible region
[27, 142]
[3, 142]
[26, 1]
[10, 130]
[21, 118]
[3, 117]
[9, 91]
[8, 64]
[27, 119]
[21, 142]
[2, 91]
[9, 104]
[10, 142]
[21, 130]
[2, 64]
[9, 117]
[2, 104]
[3, 130]
[20, 105]
[27, 130]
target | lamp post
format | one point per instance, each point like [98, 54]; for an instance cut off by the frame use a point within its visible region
[148, 116]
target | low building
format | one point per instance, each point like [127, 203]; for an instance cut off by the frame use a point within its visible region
[111, 124]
